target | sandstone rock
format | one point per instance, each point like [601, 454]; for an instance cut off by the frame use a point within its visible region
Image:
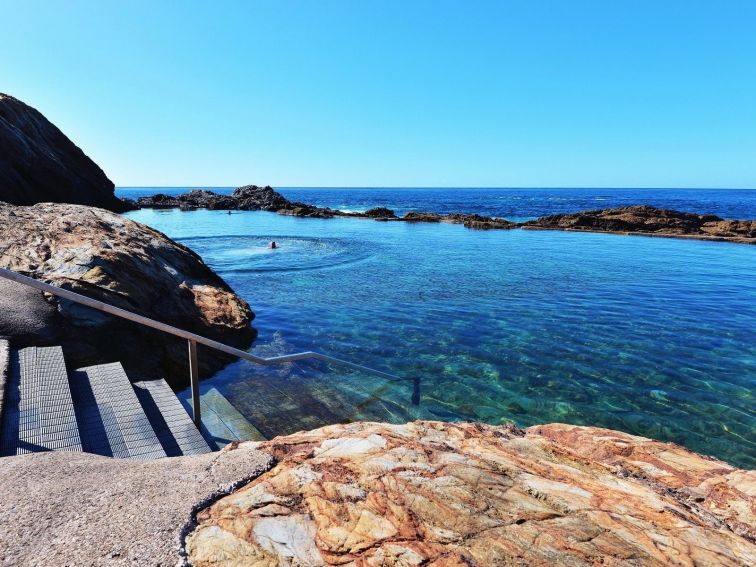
[439, 494]
[108, 257]
[39, 163]
[644, 219]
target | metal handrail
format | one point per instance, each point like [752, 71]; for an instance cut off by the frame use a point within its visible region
[193, 339]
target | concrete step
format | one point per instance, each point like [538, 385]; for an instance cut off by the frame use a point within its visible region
[174, 428]
[221, 421]
[39, 411]
[4, 370]
[111, 419]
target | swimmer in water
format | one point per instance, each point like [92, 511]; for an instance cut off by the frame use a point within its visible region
[272, 245]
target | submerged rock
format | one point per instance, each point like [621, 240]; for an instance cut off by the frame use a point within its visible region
[38, 163]
[644, 219]
[108, 257]
[430, 493]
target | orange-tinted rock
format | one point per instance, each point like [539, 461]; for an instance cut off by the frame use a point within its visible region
[430, 493]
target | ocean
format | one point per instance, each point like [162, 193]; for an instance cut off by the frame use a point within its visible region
[652, 336]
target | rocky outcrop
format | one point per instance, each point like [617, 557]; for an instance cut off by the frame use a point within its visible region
[38, 163]
[108, 257]
[420, 216]
[254, 198]
[439, 494]
[380, 213]
[644, 219]
[639, 219]
[480, 222]
[247, 198]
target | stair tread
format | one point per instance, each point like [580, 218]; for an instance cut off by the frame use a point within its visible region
[39, 410]
[173, 426]
[111, 417]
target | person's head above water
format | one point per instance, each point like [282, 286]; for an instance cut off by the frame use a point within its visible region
[272, 244]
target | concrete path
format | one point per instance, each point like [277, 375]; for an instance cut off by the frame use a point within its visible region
[81, 509]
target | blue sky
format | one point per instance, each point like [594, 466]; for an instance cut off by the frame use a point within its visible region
[565, 94]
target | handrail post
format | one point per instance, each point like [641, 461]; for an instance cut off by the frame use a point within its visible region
[194, 381]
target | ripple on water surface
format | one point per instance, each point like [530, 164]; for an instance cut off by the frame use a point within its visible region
[249, 254]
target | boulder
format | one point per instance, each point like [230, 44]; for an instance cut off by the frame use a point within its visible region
[38, 163]
[108, 257]
[442, 494]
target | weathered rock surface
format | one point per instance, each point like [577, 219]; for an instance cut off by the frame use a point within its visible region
[108, 257]
[38, 163]
[644, 219]
[437, 494]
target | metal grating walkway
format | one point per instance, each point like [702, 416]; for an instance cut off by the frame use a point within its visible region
[111, 419]
[174, 428]
[95, 410]
[39, 412]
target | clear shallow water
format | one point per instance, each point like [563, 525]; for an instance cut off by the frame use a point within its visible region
[647, 335]
[514, 204]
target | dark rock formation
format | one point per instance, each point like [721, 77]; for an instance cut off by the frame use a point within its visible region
[644, 219]
[641, 219]
[380, 213]
[110, 258]
[254, 198]
[38, 163]
[422, 217]
[248, 198]
[480, 222]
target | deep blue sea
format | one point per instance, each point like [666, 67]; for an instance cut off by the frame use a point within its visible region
[652, 336]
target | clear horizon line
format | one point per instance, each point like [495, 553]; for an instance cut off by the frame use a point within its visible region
[524, 187]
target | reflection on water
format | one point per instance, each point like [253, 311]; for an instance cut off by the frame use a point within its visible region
[650, 336]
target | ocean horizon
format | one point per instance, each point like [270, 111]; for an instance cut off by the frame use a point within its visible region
[508, 202]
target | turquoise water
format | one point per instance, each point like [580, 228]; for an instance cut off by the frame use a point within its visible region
[652, 336]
